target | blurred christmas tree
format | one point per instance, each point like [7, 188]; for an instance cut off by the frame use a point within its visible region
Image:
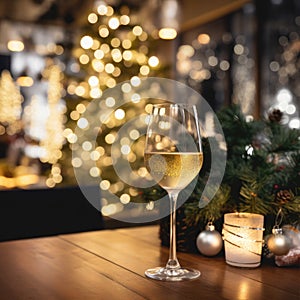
[10, 105]
[113, 48]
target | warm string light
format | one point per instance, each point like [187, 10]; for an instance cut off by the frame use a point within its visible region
[18, 181]
[102, 155]
[284, 70]
[119, 53]
[201, 61]
[108, 54]
[53, 141]
[15, 46]
[169, 19]
[32, 115]
[52, 144]
[10, 104]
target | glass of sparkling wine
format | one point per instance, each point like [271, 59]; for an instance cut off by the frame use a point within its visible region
[173, 156]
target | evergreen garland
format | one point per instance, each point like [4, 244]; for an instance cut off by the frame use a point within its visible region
[262, 171]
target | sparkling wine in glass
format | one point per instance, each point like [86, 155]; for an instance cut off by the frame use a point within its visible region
[173, 156]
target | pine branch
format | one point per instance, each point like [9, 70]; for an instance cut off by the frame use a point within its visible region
[283, 139]
[212, 211]
[251, 200]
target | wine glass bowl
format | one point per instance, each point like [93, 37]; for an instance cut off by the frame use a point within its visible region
[173, 156]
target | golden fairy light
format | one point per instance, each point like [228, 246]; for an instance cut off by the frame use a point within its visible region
[114, 23]
[169, 16]
[25, 81]
[92, 18]
[86, 42]
[53, 141]
[203, 38]
[10, 103]
[15, 45]
[107, 53]
[117, 51]
[167, 33]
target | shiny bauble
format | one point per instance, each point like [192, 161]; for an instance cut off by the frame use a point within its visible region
[209, 242]
[278, 243]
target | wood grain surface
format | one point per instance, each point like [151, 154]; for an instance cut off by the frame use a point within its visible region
[110, 264]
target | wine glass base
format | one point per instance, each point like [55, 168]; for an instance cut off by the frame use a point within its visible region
[165, 274]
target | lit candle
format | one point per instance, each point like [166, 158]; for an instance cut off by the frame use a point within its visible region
[243, 238]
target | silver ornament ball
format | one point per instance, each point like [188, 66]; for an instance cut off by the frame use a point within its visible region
[278, 243]
[209, 242]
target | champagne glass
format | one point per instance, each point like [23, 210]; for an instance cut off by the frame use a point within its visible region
[173, 156]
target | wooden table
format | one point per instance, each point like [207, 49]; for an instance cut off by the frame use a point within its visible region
[110, 264]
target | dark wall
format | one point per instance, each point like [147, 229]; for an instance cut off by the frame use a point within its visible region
[5, 61]
[44, 212]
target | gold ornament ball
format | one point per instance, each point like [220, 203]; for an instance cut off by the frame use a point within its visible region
[279, 244]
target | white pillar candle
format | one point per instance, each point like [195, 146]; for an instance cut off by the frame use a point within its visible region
[243, 238]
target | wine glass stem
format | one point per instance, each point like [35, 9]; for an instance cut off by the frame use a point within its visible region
[173, 261]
